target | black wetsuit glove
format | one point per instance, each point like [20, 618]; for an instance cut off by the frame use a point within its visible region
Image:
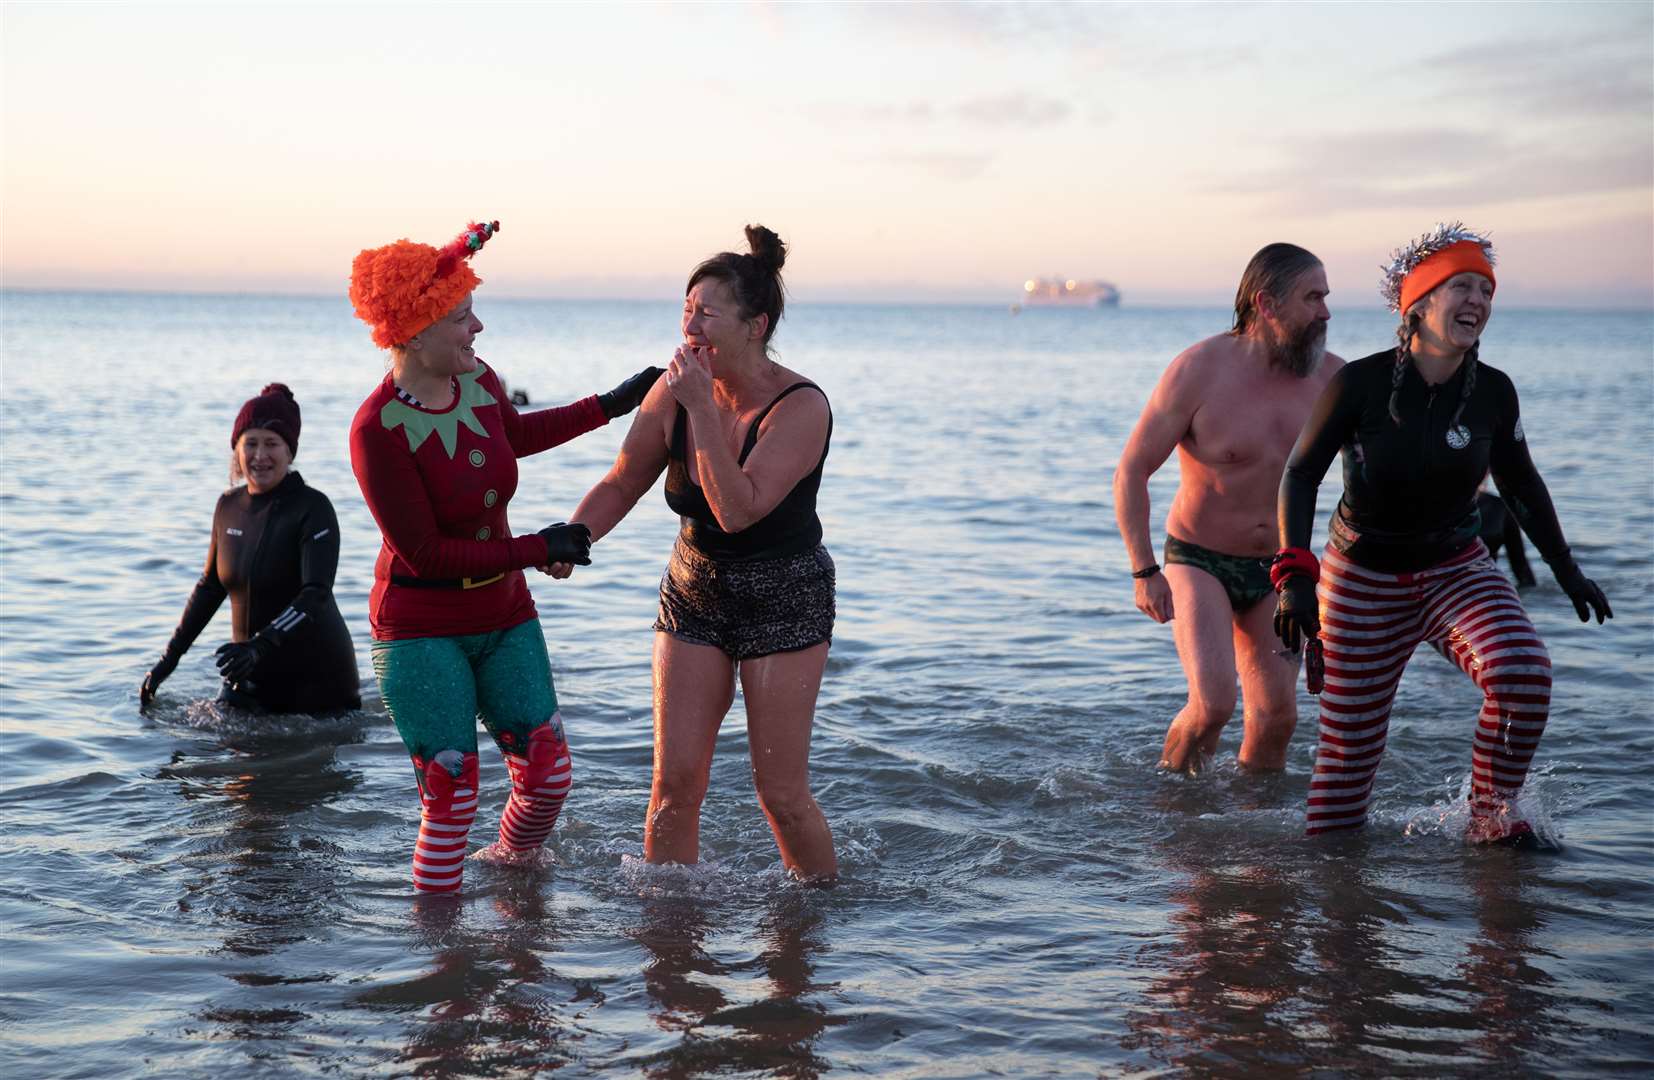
[1296, 617]
[568, 544]
[157, 675]
[1585, 594]
[629, 394]
[237, 659]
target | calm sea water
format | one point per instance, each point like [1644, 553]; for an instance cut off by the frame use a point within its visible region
[193, 893]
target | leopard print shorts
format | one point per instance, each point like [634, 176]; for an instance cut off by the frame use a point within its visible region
[750, 608]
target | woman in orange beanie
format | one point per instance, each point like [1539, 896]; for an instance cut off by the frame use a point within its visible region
[455, 632]
[1419, 426]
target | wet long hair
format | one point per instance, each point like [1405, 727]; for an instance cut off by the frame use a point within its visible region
[754, 277]
[1404, 353]
[1272, 270]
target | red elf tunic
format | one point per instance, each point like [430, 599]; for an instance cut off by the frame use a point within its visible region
[437, 482]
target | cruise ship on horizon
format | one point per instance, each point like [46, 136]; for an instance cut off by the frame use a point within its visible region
[1067, 292]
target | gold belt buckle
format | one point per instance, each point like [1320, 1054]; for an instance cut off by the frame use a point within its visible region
[477, 583]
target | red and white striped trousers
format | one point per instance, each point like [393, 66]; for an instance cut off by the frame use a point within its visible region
[1370, 624]
[540, 781]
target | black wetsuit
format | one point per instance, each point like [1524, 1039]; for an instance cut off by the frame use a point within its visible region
[274, 554]
[1405, 567]
[1499, 530]
[1410, 490]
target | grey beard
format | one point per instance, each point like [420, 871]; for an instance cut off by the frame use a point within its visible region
[1301, 354]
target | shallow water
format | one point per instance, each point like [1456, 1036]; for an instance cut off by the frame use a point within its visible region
[195, 893]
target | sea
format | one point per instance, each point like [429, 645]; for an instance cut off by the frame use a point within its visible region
[195, 892]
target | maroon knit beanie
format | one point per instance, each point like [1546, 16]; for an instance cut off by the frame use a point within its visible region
[274, 410]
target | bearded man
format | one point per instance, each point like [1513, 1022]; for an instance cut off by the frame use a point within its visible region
[1232, 406]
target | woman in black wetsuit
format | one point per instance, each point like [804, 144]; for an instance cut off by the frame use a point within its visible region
[1419, 426]
[274, 549]
[749, 589]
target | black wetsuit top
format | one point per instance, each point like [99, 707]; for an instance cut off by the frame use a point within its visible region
[1410, 490]
[790, 529]
[274, 555]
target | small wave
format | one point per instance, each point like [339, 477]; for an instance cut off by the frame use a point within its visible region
[1542, 794]
[219, 719]
[499, 855]
[704, 881]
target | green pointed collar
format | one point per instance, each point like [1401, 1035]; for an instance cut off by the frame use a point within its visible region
[418, 424]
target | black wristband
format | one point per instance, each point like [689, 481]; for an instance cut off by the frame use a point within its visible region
[1147, 571]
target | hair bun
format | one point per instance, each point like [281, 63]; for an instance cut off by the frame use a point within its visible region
[277, 388]
[767, 248]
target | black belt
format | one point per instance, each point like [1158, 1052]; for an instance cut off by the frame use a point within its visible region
[443, 583]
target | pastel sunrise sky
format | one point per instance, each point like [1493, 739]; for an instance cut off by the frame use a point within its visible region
[937, 152]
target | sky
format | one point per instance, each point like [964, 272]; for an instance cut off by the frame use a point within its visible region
[926, 152]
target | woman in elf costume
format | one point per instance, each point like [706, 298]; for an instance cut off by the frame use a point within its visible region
[455, 633]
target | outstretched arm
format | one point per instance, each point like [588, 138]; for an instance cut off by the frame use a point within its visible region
[532, 432]
[641, 460]
[395, 493]
[1530, 503]
[199, 609]
[1330, 425]
[1165, 420]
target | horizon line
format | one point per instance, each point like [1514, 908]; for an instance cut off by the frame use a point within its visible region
[1647, 308]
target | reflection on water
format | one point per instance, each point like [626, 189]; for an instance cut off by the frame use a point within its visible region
[244, 867]
[1288, 956]
[774, 1035]
[1512, 1007]
[488, 1002]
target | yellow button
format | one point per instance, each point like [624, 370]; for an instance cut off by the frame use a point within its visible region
[483, 533]
[477, 459]
[490, 497]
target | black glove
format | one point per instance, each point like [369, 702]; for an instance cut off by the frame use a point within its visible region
[237, 659]
[568, 543]
[629, 394]
[1582, 591]
[152, 681]
[1296, 618]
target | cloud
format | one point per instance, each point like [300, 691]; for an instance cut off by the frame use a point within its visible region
[942, 164]
[1603, 75]
[1011, 110]
[1399, 169]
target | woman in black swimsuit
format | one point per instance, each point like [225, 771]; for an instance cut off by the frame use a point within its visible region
[749, 588]
[273, 552]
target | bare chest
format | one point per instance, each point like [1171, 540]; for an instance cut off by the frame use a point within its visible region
[1242, 423]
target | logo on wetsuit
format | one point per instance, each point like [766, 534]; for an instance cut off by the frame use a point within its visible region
[1458, 437]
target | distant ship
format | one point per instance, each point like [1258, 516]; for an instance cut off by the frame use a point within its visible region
[1066, 292]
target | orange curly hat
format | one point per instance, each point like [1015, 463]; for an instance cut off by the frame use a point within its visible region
[402, 288]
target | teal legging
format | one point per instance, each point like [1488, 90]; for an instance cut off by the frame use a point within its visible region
[436, 688]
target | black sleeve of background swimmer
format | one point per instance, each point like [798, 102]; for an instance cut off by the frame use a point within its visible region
[1328, 428]
[1518, 481]
[318, 555]
[203, 603]
[1516, 551]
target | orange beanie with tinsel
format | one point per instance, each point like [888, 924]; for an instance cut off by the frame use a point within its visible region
[1457, 258]
[402, 288]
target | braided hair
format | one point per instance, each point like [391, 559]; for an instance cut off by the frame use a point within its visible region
[1404, 353]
